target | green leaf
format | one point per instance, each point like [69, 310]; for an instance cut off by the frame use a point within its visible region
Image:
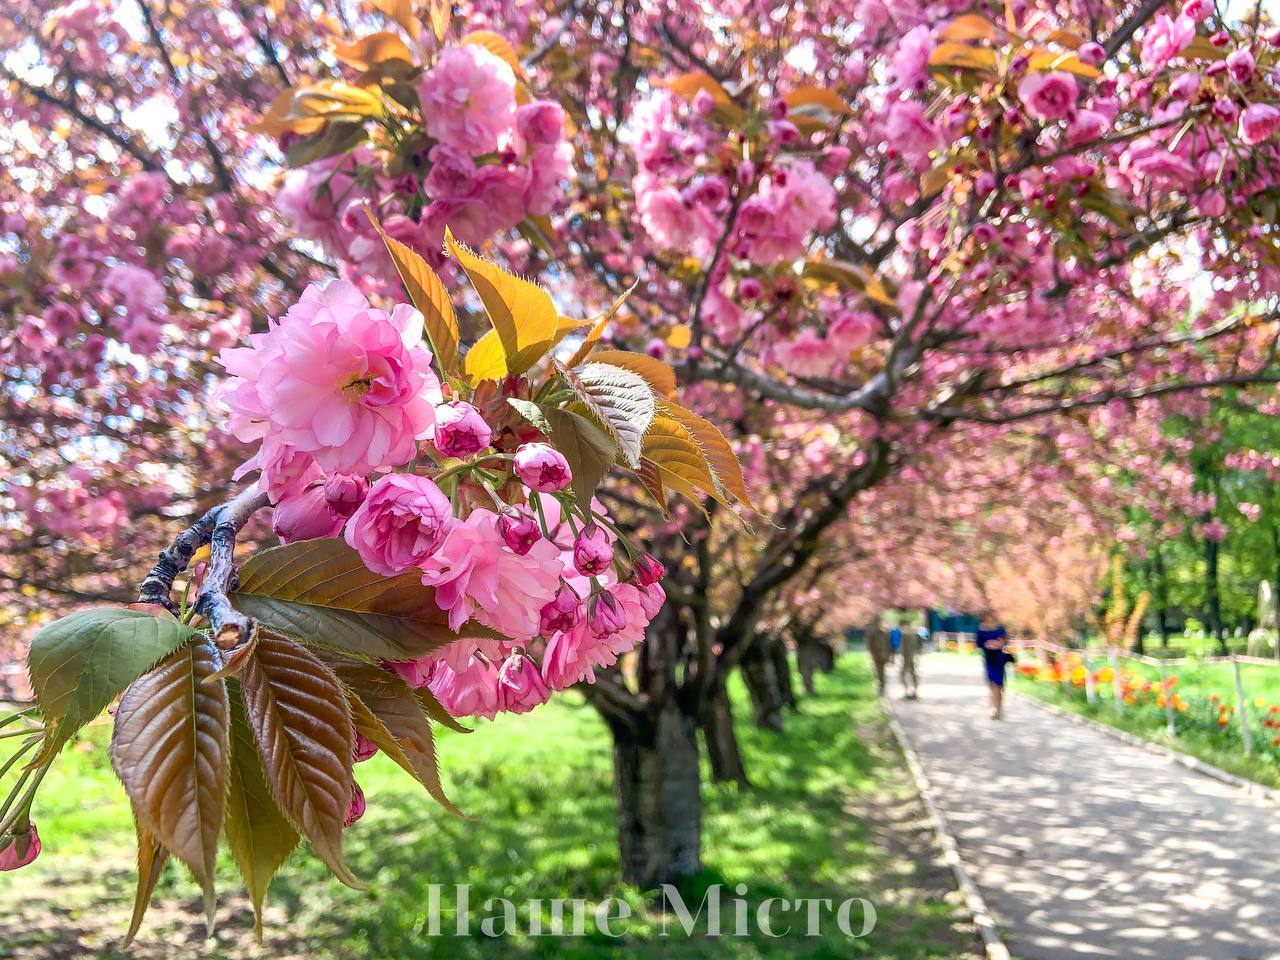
[388, 712]
[334, 139]
[588, 448]
[620, 400]
[320, 592]
[169, 749]
[531, 412]
[79, 664]
[259, 834]
[302, 725]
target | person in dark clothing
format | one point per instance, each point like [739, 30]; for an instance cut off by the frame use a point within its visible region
[995, 654]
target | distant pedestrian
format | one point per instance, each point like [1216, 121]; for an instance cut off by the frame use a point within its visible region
[994, 645]
[879, 651]
[908, 647]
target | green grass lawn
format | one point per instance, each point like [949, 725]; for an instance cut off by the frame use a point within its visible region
[1199, 732]
[538, 791]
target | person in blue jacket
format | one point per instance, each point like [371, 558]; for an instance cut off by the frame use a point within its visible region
[994, 645]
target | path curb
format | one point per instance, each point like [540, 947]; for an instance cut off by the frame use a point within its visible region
[996, 949]
[1183, 759]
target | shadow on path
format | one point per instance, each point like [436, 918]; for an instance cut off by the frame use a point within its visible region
[1087, 847]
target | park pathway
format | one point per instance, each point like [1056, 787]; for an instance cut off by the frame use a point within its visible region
[1084, 846]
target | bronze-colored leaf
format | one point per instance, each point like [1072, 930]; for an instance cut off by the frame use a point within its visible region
[169, 749]
[386, 711]
[259, 834]
[302, 725]
[715, 450]
[321, 592]
[152, 856]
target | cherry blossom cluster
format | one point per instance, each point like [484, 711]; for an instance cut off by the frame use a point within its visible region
[357, 437]
[473, 151]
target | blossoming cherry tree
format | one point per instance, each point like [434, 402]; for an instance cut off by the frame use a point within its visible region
[444, 555]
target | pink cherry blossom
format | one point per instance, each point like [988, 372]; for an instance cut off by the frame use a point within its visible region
[519, 529]
[1165, 38]
[1048, 96]
[356, 810]
[401, 523]
[468, 99]
[337, 380]
[561, 612]
[18, 850]
[469, 692]
[592, 551]
[909, 131]
[305, 516]
[475, 574]
[1258, 122]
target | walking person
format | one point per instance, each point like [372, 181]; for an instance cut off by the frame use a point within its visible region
[908, 648]
[879, 651]
[995, 654]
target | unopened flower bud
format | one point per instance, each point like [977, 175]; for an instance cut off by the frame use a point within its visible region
[19, 848]
[542, 468]
[460, 430]
[356, 810]
[648, 570]
[605, 615]
[519, 530]
[561, 612]
[592, 551]
[365, 748]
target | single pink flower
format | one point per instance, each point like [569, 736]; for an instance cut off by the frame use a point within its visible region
[305, 516]
[401, 523]
[1048, 96]
[540, 122]
[909, 131]
[605, 614]
[542, 468]
[416, 673]
[1165, 39]
[468, 99]
[470, 692]
[356, 810]
[561, 612]
[365, 749]
[519, 530]
[475, 574]
[336, 380]
[648, 570]
[345, 494]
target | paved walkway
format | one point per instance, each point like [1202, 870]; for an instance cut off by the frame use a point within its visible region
[1084, 846]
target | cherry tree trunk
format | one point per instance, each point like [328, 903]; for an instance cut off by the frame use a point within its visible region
[657, 786]
[782, 671]
[722, 741]
[761, 678]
